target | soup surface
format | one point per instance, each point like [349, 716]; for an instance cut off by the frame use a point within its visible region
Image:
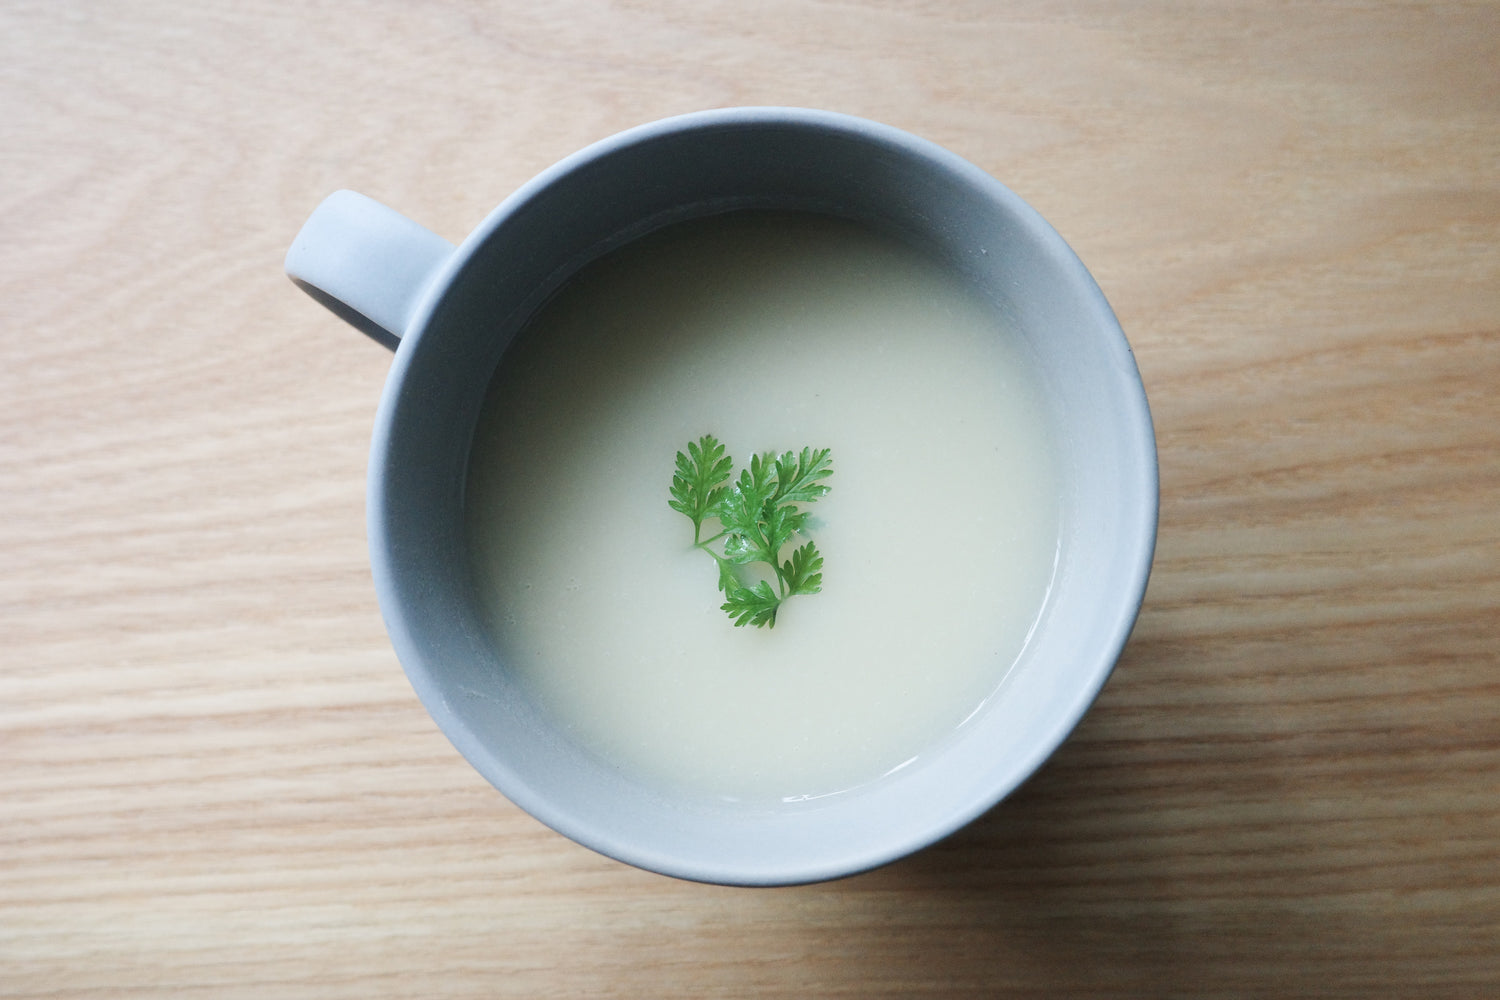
[771, 332]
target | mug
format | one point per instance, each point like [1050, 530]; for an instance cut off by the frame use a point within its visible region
[450, 313]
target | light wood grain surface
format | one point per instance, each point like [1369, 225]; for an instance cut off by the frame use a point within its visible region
[214, 778]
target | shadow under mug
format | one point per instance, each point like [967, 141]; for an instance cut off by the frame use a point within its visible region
[450, 312]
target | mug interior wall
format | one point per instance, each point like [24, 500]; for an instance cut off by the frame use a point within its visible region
[590, 205]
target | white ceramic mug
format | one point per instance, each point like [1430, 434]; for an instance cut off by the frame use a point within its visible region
[450, 312]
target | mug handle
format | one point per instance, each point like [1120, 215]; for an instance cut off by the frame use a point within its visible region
[367, 263]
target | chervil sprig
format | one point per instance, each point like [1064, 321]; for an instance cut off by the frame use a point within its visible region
[759, 513]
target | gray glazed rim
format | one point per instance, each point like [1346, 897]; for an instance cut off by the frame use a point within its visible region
[419, 455]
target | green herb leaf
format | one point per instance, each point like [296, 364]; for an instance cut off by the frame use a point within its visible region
[698, 484]
[752, 605]
[799, 480]
[804, 571]
[760, 512]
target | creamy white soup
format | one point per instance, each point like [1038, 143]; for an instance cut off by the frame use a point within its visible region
[771, 332]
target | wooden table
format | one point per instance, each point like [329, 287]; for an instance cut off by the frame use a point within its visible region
[214, 778]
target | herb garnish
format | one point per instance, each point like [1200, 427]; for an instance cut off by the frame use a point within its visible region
[758, 513]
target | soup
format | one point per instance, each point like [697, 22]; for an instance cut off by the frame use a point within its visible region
[772, 332]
